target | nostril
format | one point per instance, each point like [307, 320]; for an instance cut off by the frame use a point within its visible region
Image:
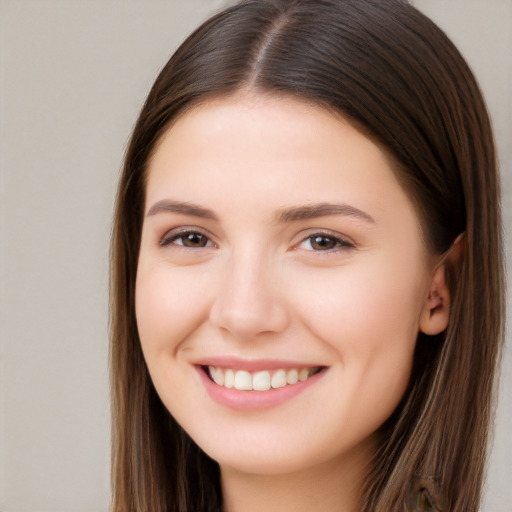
[247, 320]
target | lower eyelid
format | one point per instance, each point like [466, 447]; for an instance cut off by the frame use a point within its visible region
[170, 237]
[340, 243]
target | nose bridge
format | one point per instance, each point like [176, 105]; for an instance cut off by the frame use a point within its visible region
[249, 301]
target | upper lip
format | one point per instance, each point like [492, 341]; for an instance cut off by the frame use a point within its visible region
[253, 365]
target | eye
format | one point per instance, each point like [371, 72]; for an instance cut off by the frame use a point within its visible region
[325, 242]
[188, 239]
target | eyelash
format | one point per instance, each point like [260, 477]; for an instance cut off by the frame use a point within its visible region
[172, 237]
[339, 243]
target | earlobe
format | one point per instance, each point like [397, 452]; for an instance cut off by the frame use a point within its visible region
[436, 311]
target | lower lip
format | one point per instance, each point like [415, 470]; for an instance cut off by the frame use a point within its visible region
[255, 400]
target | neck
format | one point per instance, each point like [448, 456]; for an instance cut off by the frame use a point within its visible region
[330, 487]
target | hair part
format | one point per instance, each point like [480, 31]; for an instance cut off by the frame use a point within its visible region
[395, 75]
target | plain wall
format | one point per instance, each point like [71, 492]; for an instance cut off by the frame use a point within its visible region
[73, 75]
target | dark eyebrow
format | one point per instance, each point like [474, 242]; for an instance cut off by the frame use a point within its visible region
[169, 206]
[297, 213]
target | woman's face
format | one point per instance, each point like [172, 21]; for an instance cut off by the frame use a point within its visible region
[281, 284]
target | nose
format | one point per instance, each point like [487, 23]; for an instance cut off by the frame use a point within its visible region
[250, 299]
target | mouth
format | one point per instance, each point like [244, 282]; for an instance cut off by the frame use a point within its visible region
[262, 380]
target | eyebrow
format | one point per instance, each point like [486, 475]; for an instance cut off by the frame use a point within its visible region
[291, 214]
[298, 213]
[185, 208]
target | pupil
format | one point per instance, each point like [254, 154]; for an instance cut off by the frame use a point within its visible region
[323, 242]
[195, 240]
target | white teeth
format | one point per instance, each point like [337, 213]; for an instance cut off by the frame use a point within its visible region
[229, 378]
[279, 379]
[258, 381]
[261, 381]
[217, 375]
[304, 374]
[292, 376]
[243, 380]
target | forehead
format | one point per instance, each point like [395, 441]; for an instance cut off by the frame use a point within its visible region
[267, 151]
[261, 125]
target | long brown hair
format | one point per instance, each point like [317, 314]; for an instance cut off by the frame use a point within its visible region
[390, 70]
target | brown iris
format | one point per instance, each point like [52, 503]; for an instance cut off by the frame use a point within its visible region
[194, 240]
[323, 243]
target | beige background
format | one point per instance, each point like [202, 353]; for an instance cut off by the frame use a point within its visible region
[73, 75]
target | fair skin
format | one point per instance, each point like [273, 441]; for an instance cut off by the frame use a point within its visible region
[278, 244]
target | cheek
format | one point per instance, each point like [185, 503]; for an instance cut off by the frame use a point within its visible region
[369, 319]
[167, 306]
[378, 303]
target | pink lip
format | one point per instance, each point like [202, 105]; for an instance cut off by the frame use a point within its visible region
[253, 365]
[254, 400]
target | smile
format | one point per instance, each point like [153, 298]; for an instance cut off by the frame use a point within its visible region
[263, 380]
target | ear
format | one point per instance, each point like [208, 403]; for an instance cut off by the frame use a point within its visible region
[436, 311]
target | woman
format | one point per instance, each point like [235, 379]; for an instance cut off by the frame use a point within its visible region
[307, 295]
